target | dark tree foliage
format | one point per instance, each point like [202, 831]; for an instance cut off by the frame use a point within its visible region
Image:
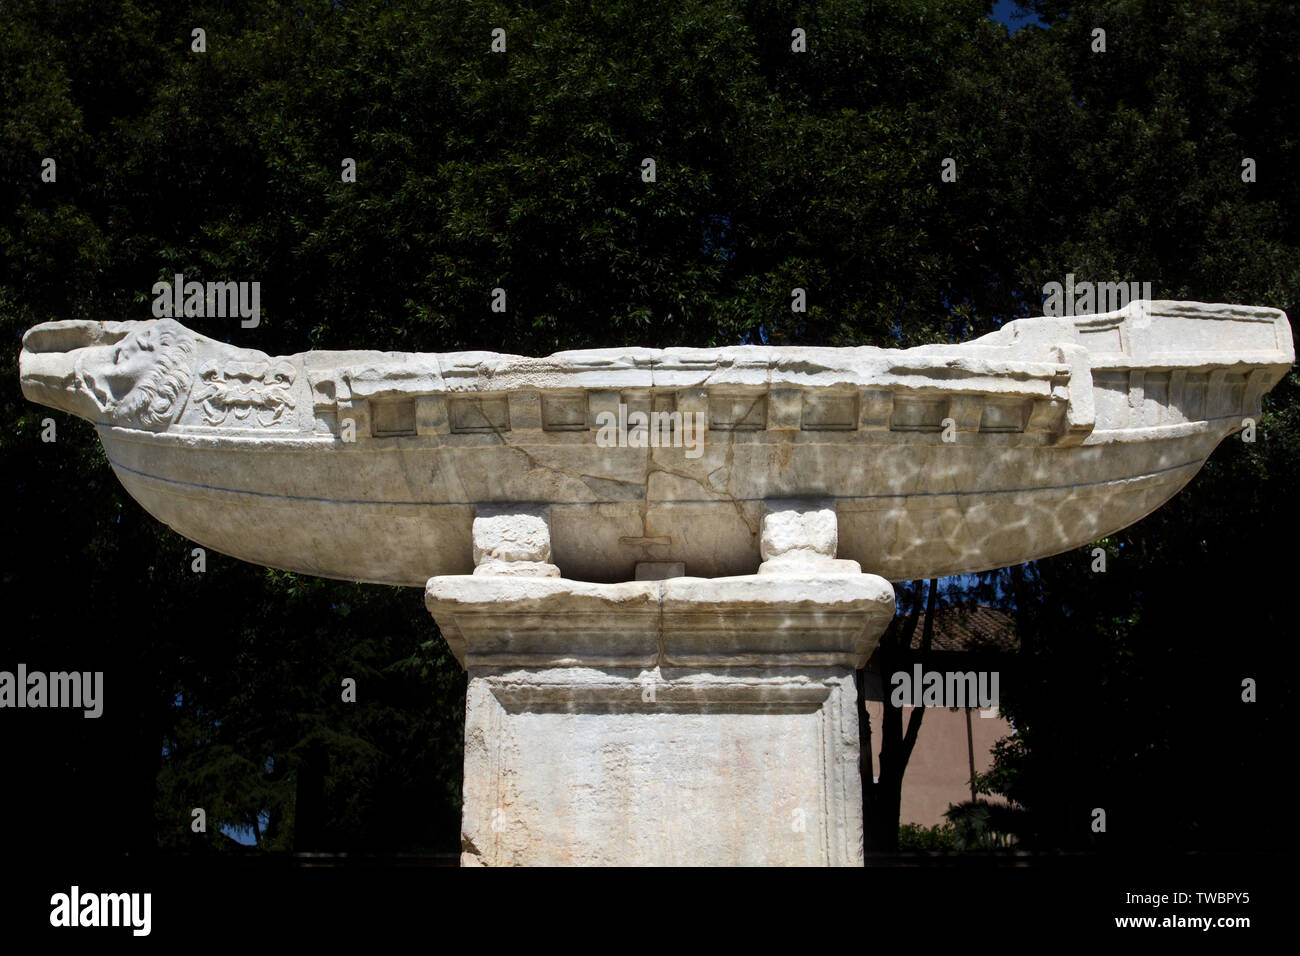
[523, 170]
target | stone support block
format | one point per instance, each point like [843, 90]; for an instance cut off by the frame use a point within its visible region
[683, 721]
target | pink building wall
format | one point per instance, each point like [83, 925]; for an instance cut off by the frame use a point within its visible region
[938, 773]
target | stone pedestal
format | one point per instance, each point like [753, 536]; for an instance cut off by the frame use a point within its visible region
[687, 721]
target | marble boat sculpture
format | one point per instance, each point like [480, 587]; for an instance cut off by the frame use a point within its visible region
[651, 562]
[371, 466]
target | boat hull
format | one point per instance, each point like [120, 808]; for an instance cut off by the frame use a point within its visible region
[371, 466]
[906, 508]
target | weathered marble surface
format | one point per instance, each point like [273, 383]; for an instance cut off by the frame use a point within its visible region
[680, 721]
[1063, 430]
[575, 766]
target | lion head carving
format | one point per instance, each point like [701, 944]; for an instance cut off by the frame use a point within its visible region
[144, 379]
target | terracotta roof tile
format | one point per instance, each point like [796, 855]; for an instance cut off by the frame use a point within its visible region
[974, 627]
